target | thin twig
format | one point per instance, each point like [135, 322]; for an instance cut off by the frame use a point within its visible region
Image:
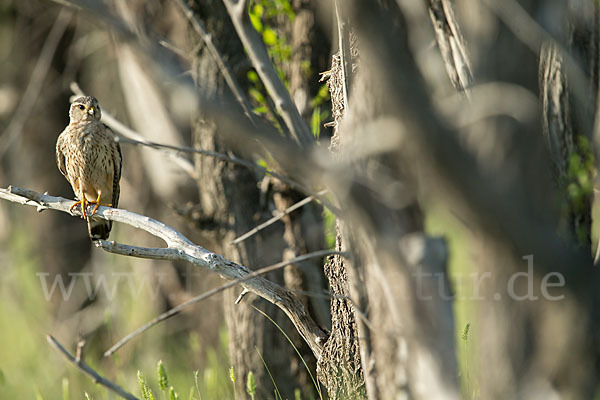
[181, 248]
[79, 363]
[221, 156]
[276, 218]
[171, 47]
[40, 71]
[176, 310]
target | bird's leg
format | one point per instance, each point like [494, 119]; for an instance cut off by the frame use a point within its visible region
[81, 202]
[98, 204]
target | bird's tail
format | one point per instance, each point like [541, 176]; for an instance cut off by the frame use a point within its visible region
[99, 228]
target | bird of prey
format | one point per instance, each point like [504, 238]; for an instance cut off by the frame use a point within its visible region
[90, 158]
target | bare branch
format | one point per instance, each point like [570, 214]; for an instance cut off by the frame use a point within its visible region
[276, 218]
[176, 310]
[79, 363]
[264, 67]
[181, 248]
[154, 253]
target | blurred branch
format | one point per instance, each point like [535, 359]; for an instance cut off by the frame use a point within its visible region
[38, 76]
[487, 100]
[176, 310]
[79, 363]
[180, 247]
[257, 52]
[451, 44]
[225, 70]
[276, 218]
[176, 50]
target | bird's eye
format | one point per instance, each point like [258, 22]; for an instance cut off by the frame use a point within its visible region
[81, 107]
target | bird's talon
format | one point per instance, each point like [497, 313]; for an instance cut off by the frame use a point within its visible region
[97, 205]
[79, 203]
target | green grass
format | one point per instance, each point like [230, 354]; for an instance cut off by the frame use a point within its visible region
[33, 369]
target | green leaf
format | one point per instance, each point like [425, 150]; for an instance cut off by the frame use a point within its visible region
[315, 122]
[270, 37]
[255, 20]
[252, 76]
[257, 95]
[287, 8]
[329, 227]
[259, 10]
[261, 110]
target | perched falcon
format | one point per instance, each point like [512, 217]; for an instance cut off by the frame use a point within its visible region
[90, 158]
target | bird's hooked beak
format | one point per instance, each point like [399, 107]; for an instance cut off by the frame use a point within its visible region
[92, 111]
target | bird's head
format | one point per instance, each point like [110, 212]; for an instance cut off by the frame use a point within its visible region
[85, 109]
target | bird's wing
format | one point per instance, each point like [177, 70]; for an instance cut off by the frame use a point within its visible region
[117, 163]
[60, 155]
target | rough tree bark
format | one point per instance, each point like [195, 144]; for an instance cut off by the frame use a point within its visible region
[230, 200]
[414, 334]
[340, 368]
